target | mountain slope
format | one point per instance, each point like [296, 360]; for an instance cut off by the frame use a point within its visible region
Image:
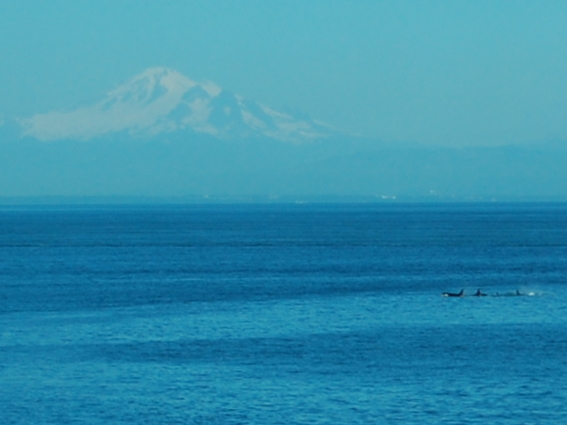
[162, 100]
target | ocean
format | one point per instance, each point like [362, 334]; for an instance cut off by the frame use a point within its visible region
[283, 314]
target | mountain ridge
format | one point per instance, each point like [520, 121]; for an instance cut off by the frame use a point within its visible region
[161, 100]
[162, 134]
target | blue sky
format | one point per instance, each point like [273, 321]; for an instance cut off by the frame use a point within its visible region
[436, 72]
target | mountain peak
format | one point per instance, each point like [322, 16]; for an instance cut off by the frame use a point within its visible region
[162, 100]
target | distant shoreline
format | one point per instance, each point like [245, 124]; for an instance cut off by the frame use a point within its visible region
[268, 200]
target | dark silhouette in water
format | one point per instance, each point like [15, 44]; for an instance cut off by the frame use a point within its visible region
[479, 294]
[452, 294]
[514, 294]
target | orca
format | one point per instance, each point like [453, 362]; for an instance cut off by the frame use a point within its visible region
[452, 294]
[517, 293]
[479, 294]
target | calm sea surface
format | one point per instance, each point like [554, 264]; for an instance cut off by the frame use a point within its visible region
[283, 314]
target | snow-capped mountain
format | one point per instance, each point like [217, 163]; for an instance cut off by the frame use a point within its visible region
[162, 100]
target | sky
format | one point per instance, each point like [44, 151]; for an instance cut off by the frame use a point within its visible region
[450, 73]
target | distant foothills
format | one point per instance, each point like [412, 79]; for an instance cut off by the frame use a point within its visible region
[162, 136]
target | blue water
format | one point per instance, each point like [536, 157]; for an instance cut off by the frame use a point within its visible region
[283, 314]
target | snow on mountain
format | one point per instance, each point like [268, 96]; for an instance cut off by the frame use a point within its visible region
[161, 100]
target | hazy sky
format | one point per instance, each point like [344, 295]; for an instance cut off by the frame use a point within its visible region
[436, 72]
